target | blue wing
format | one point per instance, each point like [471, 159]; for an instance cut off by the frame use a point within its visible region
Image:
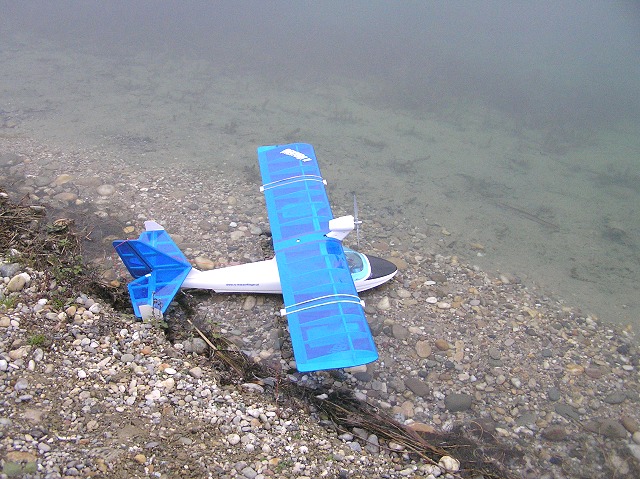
[325, 315]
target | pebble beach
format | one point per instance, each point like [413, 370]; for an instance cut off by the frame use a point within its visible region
[102, 395]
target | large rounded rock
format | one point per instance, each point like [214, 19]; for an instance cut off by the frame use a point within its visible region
[418, 387]
[204, 264]
[456, 402]
[106, 190]
[423, 349]
[554, 433]
[18, 282]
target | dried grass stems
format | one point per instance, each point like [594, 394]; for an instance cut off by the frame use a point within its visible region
[53, 246]
[347, 412]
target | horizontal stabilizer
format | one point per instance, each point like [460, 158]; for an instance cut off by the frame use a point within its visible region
[158, 266]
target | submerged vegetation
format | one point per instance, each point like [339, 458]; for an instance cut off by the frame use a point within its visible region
[29, 237]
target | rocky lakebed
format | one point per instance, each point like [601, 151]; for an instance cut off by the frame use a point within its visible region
[478, 376]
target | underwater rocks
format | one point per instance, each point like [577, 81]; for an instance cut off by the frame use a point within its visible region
[459, 349]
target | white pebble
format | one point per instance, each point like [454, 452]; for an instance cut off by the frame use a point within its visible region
[106, 190]
[38, 354]
[449, 464]
[153, 395]
[384, 304]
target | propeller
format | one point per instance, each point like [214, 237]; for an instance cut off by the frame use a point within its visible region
[356, 221]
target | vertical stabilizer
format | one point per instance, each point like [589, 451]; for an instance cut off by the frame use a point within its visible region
[158, 266]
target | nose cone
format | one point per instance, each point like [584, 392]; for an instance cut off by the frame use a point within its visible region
[381, 268]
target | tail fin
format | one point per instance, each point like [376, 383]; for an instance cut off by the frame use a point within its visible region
[158, 267]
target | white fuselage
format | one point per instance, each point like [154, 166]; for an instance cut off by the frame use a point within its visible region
[258, 277]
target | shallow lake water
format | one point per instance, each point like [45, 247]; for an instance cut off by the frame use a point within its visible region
[553, 207]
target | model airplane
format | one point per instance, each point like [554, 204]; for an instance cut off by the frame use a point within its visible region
[318, 278]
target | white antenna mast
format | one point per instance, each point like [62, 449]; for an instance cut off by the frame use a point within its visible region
[356, 221]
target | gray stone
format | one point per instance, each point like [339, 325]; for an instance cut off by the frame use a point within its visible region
[43, 447]
[567, 411]
[615, 397]
[364, 377]
[635, 451]
[456, 402]
[21, 384]
[399, 331]
[249, 303]
[376, 324]
[632, 395]
[253, 387]
[236, 235]
[423, 349]
[397, 384]
[526, 419]
[554, 433]
[355, 446]
[612, 429]
[373, 445]
[199, 345]
[249, 472]
[8, 270]
[630, 424]
[553, 394]
[127, 358]
[10, 158]
[360, 433]
[418, 387]
[384, 304]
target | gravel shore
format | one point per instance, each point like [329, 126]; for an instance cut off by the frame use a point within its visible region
[88, 391]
